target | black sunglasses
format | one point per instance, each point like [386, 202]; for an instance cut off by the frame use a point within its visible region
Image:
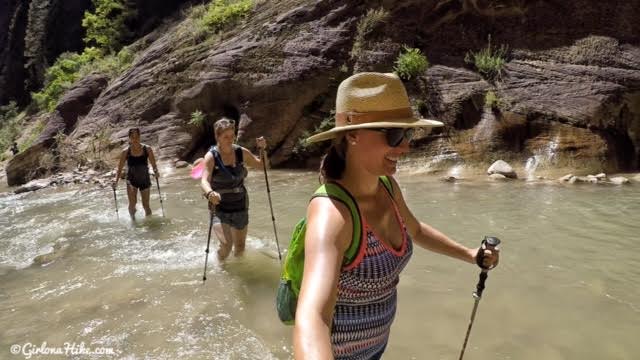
[395, 135]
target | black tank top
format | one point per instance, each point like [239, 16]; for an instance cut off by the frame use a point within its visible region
[137, 160]
[229, 182]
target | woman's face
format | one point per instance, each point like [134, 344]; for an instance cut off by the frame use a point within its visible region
[225, 138]
[134, 137]
[373, 153]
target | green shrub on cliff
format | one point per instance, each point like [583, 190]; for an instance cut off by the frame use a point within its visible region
[9, 125]
[111, 65]
[488, 61]
[222, 13]
[302, 149]
[106, 26]
[32, 132]
[70, 67]
[410, 63]
[197, 118]
[59, 77]
[365, 26]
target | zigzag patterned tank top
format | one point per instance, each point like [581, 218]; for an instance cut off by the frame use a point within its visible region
[367, 296]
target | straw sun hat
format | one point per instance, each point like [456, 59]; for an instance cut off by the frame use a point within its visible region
[372, 100]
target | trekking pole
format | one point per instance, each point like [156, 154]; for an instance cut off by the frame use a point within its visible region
[115, 199]
[490, 243]
[212, 213]
[273, 219]
[159, 194]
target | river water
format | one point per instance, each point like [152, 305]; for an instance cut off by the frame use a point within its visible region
[568, 286]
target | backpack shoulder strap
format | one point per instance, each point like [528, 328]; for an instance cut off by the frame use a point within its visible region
[336, 191]
[239, 154]
[387, 184]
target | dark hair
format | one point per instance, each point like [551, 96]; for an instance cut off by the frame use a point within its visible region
[135, 129]
[334, 161]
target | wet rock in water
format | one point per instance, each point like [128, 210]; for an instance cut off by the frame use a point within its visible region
[619, 180]
[498, 177]
[566, 178]
[57, 251]
[601, 176]
[584, 179]
[592, 179]
[181, 164]
[33, 185]
[503, 168]
[449, 179]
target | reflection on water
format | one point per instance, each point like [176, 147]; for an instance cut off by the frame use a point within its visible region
[567, 288]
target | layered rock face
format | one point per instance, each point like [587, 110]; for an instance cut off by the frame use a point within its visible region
[33, 33]
[569, 93]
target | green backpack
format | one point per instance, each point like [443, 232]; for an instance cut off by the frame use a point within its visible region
[291, 276]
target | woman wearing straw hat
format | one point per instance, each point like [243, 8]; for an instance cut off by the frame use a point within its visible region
[223, 185]
[346, 310]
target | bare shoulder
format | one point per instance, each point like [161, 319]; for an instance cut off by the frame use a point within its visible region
[246, 151]
[331, 218]
[208, 158]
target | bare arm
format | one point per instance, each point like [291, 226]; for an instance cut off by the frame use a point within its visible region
[327, 238]
[123, 158]
[152, 160]
[432, 239]
[253, 160]
[211, 195]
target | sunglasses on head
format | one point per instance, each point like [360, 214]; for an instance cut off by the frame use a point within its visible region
[395, 135]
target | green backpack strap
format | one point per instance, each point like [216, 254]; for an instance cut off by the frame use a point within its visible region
[336, 191]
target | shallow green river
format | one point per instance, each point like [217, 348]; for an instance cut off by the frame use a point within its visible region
[568, 286]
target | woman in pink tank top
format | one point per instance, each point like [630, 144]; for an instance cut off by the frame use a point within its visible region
[345, 311]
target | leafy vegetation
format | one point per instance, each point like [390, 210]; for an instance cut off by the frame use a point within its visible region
[197, 118]
[365, 26]
[301, 149]
[61, 75]
[105, 30]
[106, 26]
[70, 67]
[491, 100]
[9, 125]
[488, 61]
[33, 133]
[97, 152]
[410, 63]
[222, 13]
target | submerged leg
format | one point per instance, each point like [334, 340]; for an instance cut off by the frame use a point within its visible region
[225, 240]
[132, 195]
[144, 194]
[239, 240]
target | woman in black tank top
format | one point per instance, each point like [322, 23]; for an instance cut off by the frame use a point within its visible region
[137, 156]
[223, 185]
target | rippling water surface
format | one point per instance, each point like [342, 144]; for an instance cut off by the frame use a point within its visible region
[568, 286]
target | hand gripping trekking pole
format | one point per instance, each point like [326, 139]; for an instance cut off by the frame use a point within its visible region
[273, 219]
[212, 213]
[490, 243]
[159, 194]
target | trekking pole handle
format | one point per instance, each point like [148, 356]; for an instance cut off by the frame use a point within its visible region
[489, 243]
